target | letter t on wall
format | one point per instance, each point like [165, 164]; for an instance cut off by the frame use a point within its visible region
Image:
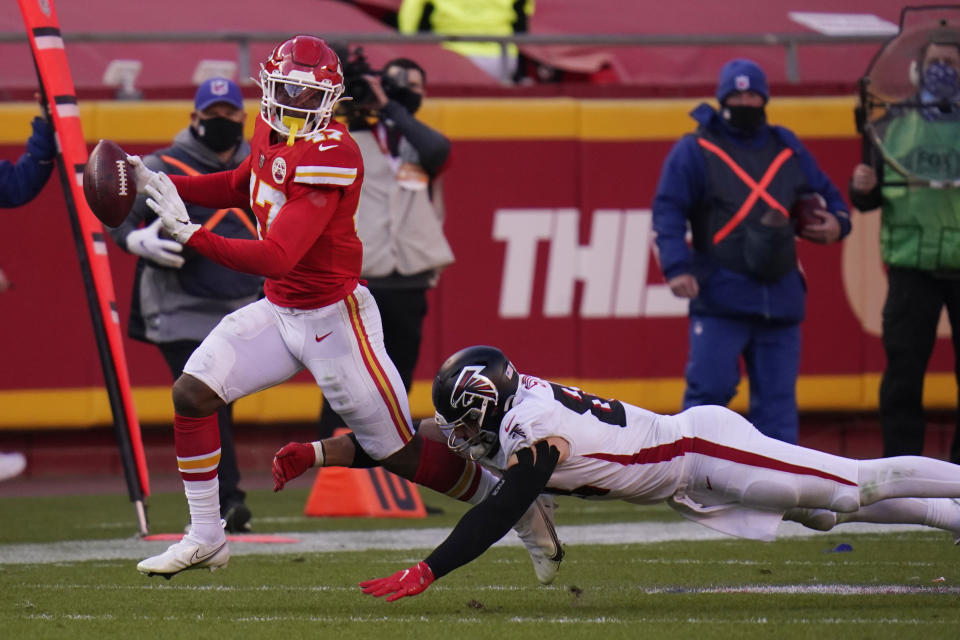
[521, 230]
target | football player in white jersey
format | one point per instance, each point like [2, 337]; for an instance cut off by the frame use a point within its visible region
[708, 463]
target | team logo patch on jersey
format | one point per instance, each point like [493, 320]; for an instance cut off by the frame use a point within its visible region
[472, 386]
[279, 170]
[515, 431]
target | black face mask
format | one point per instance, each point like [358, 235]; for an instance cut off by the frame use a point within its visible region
[745, 119]
[219, 134]
[411, 100]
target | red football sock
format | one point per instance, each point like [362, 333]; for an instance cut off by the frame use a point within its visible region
[443, 471]
[197, 444]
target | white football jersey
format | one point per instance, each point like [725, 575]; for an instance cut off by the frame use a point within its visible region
[617, 451]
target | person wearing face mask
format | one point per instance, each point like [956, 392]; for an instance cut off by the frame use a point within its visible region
[733, 183]
[179, 296]
[400, 215]
[917, 231]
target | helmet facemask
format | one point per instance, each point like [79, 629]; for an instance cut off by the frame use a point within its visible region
[466, 435]
[295, 104]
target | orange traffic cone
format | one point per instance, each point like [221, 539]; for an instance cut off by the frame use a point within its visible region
[364, 493]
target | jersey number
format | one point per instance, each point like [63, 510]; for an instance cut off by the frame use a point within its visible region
[607, 411]
[267, 197]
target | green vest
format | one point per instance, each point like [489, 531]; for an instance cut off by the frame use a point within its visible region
[921, 226]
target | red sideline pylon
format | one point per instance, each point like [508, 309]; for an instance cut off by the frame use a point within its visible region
[363, 493]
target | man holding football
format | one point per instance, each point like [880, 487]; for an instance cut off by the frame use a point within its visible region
[708, 463]
[178, 297]
[733, 183]
[302, 180]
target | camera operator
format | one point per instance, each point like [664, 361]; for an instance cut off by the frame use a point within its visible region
[400, 214]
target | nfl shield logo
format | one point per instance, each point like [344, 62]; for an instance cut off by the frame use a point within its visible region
[219, 87]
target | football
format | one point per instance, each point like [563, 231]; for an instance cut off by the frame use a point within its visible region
[108, 183]
[802, 211]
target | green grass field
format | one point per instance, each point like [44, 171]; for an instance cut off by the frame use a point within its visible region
[891, 585]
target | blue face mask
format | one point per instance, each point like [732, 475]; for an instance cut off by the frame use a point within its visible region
[941, 81]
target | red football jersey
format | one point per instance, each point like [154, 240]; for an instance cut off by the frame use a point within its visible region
[305, 198]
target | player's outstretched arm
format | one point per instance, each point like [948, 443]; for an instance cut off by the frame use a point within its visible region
[295, 458]
[479, 528]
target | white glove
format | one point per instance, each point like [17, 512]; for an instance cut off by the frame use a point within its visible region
[147, 242]
[166, 202]
[142, 175]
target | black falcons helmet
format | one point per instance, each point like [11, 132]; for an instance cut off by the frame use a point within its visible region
[474, 388]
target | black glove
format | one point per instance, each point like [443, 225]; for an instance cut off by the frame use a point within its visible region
[546, 462]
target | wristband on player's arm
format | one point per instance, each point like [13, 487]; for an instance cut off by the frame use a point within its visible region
[490, 520]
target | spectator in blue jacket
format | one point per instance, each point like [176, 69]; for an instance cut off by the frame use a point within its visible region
[20, 183]
[734, 182]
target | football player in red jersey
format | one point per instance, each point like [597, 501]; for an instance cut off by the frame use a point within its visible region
[302, 180]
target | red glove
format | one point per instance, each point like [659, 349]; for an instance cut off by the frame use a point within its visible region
[408, 582]
[291, 461]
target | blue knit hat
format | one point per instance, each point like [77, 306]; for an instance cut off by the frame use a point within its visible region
[741, 74]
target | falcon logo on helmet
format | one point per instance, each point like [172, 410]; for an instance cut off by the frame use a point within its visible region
[472, 386]
[302, 82]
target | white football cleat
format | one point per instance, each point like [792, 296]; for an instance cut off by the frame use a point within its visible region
[539, 536]
[186, 554]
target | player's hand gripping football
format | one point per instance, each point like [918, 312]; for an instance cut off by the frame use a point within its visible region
[146, 242]
[291, 461]
[142, 175]
[408, 582]
[166, 203]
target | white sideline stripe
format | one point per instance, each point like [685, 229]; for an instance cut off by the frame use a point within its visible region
[394, 539]
[538, 620]
[761, 589]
